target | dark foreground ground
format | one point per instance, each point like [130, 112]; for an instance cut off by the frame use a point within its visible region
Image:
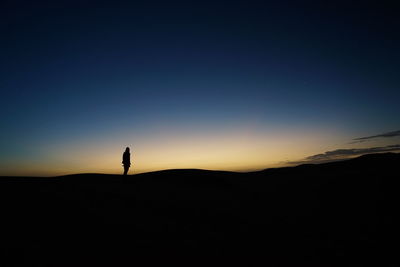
[336, 214]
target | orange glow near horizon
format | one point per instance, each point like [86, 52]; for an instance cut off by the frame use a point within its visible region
[241, 149]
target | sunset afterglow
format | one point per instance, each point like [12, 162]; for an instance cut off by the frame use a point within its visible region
[227, 87]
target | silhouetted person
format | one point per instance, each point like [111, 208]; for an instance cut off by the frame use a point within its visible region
[126, 160]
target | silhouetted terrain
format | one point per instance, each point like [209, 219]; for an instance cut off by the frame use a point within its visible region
[334, 214]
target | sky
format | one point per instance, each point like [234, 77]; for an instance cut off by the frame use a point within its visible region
[234, 85]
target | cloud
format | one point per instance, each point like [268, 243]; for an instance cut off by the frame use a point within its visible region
[340, 154]
[367, 138]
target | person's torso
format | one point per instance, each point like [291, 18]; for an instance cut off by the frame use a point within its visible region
[126, 157]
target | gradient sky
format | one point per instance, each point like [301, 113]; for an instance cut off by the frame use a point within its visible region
[235, 85]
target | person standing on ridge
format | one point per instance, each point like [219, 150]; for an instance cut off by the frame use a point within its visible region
[126, 160]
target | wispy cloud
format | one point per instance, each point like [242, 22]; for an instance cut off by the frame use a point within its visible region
[340, 154]
[368, 138]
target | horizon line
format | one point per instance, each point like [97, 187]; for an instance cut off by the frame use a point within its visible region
[197, 169]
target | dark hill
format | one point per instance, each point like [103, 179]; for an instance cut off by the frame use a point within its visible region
[333, 214]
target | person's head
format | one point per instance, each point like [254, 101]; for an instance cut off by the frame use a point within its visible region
[127, 149]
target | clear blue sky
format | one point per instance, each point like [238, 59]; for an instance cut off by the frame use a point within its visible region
[221, 85]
